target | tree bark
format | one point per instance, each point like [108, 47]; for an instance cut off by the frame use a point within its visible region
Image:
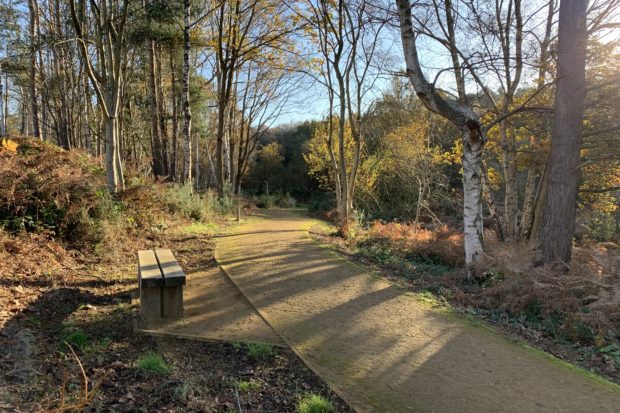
[156, 142]
[558, 215]
[187, 112]
[33, 8]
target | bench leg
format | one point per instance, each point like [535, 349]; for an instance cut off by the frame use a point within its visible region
[172, 302]
[150, 305]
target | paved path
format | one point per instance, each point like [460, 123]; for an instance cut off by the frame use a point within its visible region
[381, 349]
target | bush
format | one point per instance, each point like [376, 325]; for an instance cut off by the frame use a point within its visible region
[322, 202]
[314, 403]
[285, 200]
[46, 189]
[184, 200]
[266, 201]
[601, 227]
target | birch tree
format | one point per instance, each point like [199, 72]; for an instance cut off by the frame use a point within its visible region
[106, 73]
[462, 116]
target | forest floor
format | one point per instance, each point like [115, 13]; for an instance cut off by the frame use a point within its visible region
[384, 349]
[49, 295]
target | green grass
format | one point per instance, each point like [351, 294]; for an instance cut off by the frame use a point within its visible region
[200, 228]
[260, 350]
[153, 363]
[314, 403]
[247, 386]
[77, 340]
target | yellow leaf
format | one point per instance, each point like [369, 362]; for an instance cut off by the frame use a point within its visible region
[9, 145]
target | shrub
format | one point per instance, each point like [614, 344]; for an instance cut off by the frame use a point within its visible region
[266, 201]
[153, 363]
[285, 200]
[46, 189]
[601, 227]
[199, 206]
[314, 403]
[322, 202]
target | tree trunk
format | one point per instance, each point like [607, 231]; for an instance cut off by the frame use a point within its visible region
[558, 215]
[156, 145]
[175, 118]
[34, 11]
[111, 155]
[472, 197]
[509, 165]
[161, 106]
[529, 202]
[2, 117]
[187, 112]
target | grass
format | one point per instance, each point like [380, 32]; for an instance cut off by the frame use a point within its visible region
[200, 228]
[314, 403]
[247, 386]
[153, 363]
[76, 339]
[260, 350]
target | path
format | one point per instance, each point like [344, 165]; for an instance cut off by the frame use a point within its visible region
[381, 349]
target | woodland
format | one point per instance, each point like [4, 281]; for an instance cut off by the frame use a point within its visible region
[466, 150]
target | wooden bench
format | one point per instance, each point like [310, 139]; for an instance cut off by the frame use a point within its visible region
[161, 281]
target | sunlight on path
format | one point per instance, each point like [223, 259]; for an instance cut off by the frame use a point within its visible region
[381, 349]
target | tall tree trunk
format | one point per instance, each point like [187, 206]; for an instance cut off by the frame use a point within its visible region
[558, 215]
[509, 164]
[161, 105]
[187, 112]
[156, 144]
[175, 116]
[2, 117]
[112, 154]
[5, 106]
[33, 8]
[86, 119]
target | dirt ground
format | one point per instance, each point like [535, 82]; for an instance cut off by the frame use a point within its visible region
[381, 348]
[49, 295]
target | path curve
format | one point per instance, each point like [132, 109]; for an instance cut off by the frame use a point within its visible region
[378, 347]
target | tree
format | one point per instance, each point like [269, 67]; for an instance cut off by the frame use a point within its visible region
[558, 215]
[110, 43]
[465, 120]
[347, 44]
